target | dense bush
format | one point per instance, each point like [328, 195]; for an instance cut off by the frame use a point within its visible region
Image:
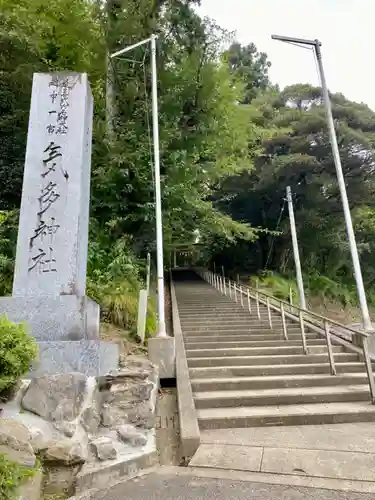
[316, 285]
[115, 278]
[17, 350]
[11, 476]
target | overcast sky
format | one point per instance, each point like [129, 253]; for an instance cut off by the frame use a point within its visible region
[345, 27]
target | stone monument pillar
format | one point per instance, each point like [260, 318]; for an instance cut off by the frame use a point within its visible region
[49, 289]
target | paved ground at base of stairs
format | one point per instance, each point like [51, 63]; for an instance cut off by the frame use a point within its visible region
[174, 487]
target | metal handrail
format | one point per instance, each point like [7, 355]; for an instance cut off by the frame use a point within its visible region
[306, 318]
[311, 313]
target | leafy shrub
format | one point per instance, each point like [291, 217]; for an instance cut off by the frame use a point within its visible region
[326, 288]
[316, 285]
[17, 350]
[114, 281]
[276, 285]
[11, 477]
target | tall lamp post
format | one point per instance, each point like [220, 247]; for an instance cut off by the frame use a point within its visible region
[158, 212]
[316, 44]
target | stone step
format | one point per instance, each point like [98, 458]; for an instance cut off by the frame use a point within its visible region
[237, 318]
[256, 351]
[242, 330]
[278, 381]
[237, 337]
[254, 325]
[281, 396]
[320, 413]
[206, 300]
[276, 370]
[239, 328]
[248, 322]
[207, 308]
[229, 307]
[264, 360]
[97, 476]
[248, 343]
[241, 313]
[203, 307]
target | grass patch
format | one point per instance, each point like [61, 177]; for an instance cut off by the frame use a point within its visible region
[119, 305]
[12, 475]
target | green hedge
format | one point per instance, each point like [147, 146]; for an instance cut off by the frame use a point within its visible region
[17, 351]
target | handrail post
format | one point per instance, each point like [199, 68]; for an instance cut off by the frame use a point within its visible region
[230, 288]
[283, 320]
[368, 364]
[257, 301]
[248, 301]
[302, 325]
[327, 330]
[235, 292]
[241, 293]
[225, 286]
[221, 285]
[269, 312]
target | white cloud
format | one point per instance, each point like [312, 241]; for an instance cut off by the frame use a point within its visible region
[345, 27]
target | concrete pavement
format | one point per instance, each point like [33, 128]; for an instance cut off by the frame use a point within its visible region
[169, 484]
[340, 452]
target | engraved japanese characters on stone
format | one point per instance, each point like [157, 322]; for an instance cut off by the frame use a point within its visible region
[42, 256]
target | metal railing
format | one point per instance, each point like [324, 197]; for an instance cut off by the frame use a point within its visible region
[332, 331]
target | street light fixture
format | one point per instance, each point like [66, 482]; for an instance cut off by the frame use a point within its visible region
[158, 212]
[316, 44]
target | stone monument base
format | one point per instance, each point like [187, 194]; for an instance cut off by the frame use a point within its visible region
[90, 357]
[67, 331]
[62, 318]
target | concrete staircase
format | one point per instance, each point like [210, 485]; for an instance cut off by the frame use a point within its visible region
[244, 374]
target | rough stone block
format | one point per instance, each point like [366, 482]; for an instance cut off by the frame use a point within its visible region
[17, 450]
[104, 448]
[56, 397]
[66, 317]
[129, 434]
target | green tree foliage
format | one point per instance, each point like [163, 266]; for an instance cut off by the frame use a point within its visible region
[204, 134]
[230, 143]
[297, 152]
[197, 116]
[38, 36]
[249, 67]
